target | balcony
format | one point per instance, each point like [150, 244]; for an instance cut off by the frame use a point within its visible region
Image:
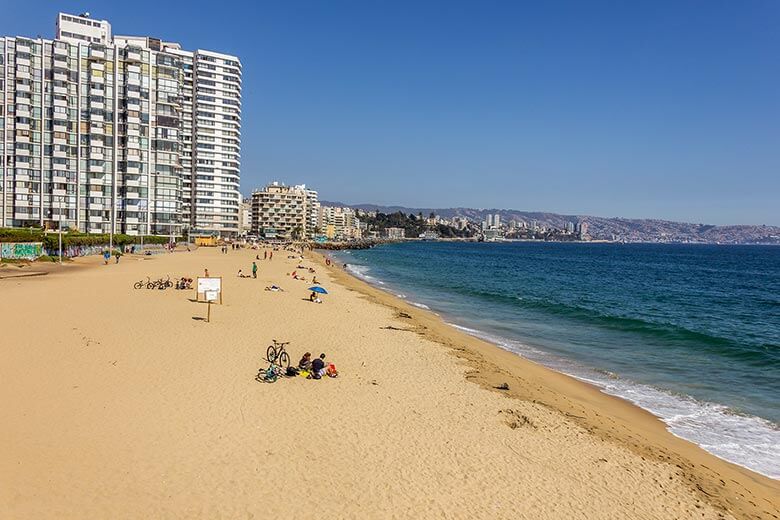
[59, 126]
[60, 51]
[133, 55]
[60, 76]
[60, 153]
[58, 89]
[95, 168]
[59, 179]
[96, 219]
[97, 53]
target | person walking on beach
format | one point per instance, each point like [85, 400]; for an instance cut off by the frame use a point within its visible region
[265, 255]
[271, 255]
[207, 272]
[117, 255]
[106, 256]
[254, 270]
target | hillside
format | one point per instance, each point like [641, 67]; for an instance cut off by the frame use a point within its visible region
[606, 228]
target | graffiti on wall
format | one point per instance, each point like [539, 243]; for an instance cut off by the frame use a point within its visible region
[21, 251]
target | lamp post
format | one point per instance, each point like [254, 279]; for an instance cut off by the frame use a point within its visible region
[60, 240]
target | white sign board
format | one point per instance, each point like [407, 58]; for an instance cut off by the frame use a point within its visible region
[206, 285]
[211, 296]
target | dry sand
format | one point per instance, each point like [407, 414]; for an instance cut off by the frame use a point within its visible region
[117, 403]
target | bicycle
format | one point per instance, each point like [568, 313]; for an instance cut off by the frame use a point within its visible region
[270, 374]
[276, 353]
[139, 284]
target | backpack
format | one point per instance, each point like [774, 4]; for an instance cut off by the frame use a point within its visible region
[291, 372]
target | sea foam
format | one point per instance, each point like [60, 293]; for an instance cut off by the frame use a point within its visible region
[745, 440]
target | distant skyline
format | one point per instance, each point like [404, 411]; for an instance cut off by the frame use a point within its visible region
[659, 109]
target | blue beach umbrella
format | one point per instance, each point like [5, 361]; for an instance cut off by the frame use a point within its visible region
[318, 289]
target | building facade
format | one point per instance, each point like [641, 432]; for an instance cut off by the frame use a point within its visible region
[283, 212]
[93, 129]
[245, 211]
[338, 223]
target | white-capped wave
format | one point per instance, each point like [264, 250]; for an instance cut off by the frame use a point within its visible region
[420, 305]
[746, 440]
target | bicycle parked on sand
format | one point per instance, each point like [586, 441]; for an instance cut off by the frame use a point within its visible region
[276, 354]
[154, 284]
[270, 374]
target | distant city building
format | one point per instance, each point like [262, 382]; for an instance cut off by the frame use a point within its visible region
[338, 223]
[395, 233]
[570, 227]
[282, 212]
[460, 223]
[583, 231]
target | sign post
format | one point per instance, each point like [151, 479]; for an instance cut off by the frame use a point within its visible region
[211, 288]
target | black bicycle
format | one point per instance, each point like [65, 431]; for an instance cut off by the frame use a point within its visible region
[277, 354]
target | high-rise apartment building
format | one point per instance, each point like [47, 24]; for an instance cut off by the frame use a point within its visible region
[286, 212]
[106, 133]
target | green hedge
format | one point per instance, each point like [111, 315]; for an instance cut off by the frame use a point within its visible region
[74, 238]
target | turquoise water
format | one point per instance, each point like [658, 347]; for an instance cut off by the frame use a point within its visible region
[689, 332]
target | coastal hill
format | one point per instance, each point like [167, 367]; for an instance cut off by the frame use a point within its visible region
[605, 228]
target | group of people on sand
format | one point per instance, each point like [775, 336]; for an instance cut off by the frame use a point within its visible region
[316, 368]
[267, 255]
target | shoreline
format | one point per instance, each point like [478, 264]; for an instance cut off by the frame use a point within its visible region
[124, 403]
[726, 485]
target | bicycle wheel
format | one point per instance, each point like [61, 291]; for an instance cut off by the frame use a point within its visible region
[150, 285]
[270, 354]
[138, 285]
[284, 360]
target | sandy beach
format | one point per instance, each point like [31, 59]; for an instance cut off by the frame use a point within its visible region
[123, 403]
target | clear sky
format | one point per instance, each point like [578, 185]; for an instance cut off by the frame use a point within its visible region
[667, 109]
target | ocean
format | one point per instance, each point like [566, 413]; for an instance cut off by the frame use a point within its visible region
[689, 332]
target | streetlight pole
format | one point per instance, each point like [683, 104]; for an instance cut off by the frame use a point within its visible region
[60, 241]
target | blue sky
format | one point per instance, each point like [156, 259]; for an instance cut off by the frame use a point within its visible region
[666, 109]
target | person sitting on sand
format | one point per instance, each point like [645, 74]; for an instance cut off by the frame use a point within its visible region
[305, 362]
[318, 367]
[314, 281]
[314, 298]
